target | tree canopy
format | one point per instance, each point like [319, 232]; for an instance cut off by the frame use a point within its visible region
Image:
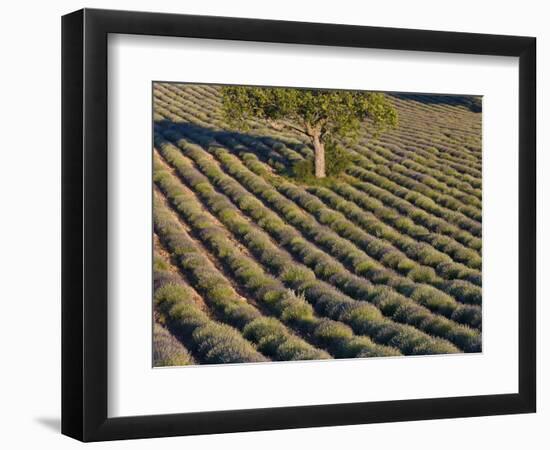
[318, 114]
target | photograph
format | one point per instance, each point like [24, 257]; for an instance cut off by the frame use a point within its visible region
[304, 223]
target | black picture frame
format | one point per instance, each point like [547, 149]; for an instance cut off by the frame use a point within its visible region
[84, 224]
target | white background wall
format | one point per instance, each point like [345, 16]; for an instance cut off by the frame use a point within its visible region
[30, 225]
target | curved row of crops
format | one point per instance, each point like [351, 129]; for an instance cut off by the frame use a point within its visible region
[426, 185]
[366, 232]
[209, 340]
[343, 248]
[273, 296]
[449, 245]
[460, 252]
[324, 266]
[384, 261]
[420, 201]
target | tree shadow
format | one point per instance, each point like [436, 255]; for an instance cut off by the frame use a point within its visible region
[262, 146]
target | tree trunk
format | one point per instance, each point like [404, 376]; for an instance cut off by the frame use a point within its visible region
[319, 148]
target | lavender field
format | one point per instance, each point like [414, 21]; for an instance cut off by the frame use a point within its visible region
[253, 264]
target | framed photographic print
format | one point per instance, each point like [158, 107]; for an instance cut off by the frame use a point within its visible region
[274, 224]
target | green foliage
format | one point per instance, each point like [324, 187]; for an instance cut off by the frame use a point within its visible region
[337, 113]
[337, 160]
[321, 115]
[303, 170]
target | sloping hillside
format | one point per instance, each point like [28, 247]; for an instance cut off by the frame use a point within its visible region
[253, 266]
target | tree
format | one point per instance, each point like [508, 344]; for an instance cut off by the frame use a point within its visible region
[321, 115]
